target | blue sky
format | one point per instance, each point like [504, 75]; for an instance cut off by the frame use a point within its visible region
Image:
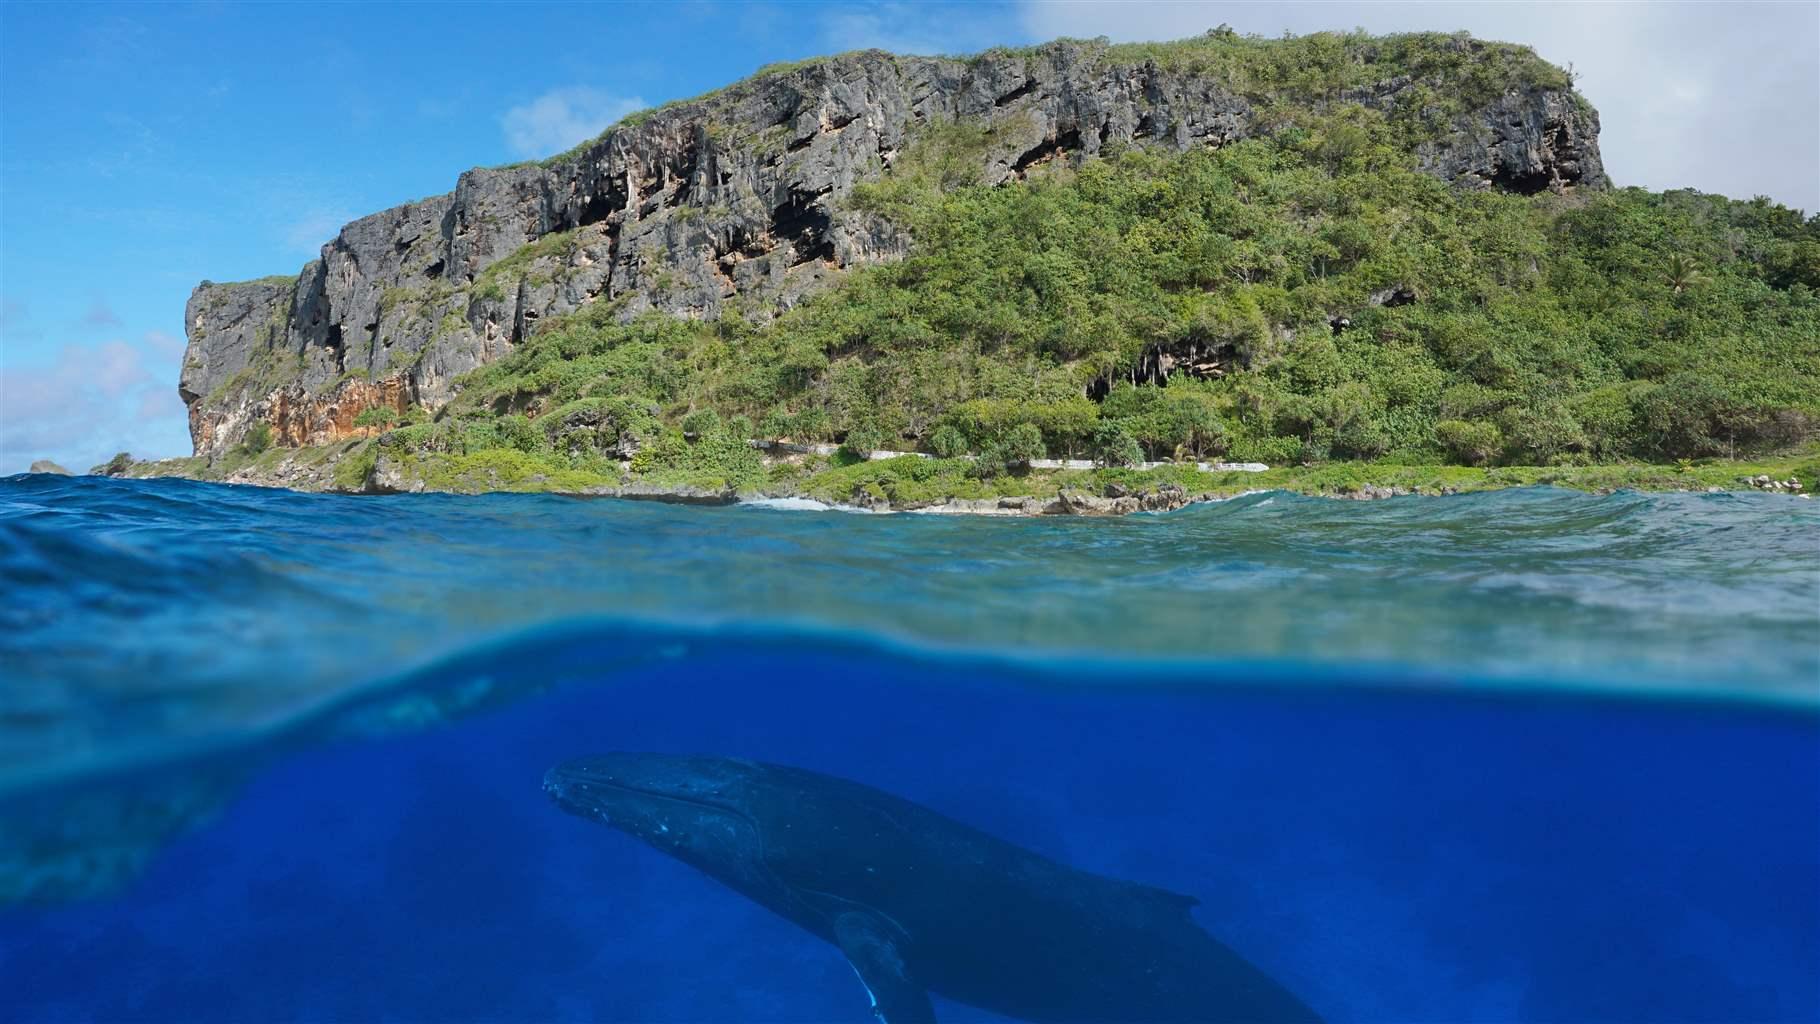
[146, 147]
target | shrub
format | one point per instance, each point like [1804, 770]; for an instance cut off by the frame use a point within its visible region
[701, 423]
[258, 438]
[717, 457]
[1272, 451]
[1195, 423]
[377, 416]
[811, 425]
[1023, 444]
[1474, 444]
[992, 461]
[1541, 434]
[1607, 420]
[776, 424]
[356, 468]
[864, 439]
[517, 432]
[947, 442]
[1113, 445]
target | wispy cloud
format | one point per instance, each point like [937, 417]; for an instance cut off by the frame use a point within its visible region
[563, 117]
[108, 42]
[90, 401]
[160, 403]
[904, 29]
[130, 145]
[100, 316]
[169, 346]
[890, 26]
[307, 234]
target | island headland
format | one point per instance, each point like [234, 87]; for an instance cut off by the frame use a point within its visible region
[1076, 277]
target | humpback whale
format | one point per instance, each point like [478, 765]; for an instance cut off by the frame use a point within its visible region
[920, 903]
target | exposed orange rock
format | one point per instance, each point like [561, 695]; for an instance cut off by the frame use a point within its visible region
[303, 419]
[299, 418]
[202, 427]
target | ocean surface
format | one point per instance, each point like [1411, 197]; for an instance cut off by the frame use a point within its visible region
[1527, 755]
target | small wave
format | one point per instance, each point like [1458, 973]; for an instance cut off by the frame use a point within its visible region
[801, 505]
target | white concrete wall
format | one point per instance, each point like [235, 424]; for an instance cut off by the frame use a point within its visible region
[879, 456]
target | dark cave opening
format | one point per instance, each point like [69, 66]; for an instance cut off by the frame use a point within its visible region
[804, 221]
[1016, 94]
[1048, 149]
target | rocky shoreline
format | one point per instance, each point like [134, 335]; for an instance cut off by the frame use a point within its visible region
[1100, 493]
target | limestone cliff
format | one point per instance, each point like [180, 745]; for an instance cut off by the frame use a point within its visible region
[735, 201]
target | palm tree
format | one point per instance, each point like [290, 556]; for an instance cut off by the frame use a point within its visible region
[1683, 273]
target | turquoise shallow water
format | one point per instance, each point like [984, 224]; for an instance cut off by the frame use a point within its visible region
[1524, 755]
[147, 616]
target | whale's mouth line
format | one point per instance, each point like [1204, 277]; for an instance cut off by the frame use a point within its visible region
[760, 862]
[657, 795]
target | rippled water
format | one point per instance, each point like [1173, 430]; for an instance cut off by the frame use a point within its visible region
[1529, 754]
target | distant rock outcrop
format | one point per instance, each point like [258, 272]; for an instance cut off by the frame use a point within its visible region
[116, 466]
[732, 200]
[47, 466]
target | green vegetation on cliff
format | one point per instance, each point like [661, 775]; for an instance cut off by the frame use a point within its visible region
[1296, 299]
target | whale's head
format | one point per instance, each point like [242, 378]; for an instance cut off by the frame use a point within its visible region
[696, 809]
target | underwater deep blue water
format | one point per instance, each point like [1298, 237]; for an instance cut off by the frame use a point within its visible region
[1531, 755]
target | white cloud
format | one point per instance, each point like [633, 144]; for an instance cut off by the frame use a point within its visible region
[160, 403]
[308, 233]
[92, 401]
[899, 28]
[924, 28]
[116, 367]
[166, 345]
[1718, 97]
[561, 118]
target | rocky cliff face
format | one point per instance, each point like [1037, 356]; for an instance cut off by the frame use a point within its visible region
[730, 201]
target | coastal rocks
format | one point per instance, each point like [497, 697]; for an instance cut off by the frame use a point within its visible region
[739, 199]
[116, 466]
[1117, 500]
[1765, 482]
[675, 494]
[1371, 492]
[389, 476]
[47, 466]
[1070, 501]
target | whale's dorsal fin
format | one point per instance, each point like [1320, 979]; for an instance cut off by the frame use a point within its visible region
[870, 944]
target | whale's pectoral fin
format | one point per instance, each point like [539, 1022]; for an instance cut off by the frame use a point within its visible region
[871, 947]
